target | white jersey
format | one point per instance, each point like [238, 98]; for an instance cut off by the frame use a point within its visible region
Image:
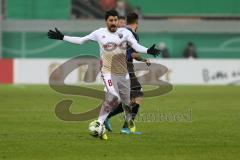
[112, 48]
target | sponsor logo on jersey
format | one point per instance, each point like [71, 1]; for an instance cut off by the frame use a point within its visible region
[110, 46]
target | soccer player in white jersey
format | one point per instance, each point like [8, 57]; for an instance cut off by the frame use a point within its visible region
[112, 42]
[136, 93]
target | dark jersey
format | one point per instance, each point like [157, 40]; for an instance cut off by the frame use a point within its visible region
[130, 50]
[135, 85]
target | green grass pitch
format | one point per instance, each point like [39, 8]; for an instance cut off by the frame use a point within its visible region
[30, 130]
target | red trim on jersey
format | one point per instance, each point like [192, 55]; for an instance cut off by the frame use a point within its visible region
[104, 81]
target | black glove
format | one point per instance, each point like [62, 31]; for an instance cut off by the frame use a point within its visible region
[55, 34]
[153, 51]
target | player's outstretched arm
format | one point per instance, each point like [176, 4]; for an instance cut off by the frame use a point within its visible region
[152, 50]
[76, 40]
[141, 49]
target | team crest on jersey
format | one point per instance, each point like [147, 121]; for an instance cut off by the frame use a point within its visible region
[120, 35]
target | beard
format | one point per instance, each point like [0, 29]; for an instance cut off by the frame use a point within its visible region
[112, 28]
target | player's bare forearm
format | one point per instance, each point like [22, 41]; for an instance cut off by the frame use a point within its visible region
[138, 57]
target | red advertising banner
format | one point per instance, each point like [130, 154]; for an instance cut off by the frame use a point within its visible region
[6, 71]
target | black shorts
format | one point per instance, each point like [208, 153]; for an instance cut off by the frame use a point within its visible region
[136, 88]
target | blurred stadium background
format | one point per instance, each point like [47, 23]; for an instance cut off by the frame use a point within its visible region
[211, 26]
[202, 52]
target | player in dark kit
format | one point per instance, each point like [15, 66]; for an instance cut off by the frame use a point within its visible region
[136, 88]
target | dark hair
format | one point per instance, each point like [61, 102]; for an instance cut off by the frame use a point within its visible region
[132, 18]
[111, 13]
[121, 17]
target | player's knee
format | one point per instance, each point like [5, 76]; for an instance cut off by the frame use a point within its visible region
[112, 99]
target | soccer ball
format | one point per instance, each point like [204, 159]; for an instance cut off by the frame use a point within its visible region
[96, 129]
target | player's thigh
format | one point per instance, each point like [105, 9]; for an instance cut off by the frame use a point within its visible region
[124, 89]
[110, 86]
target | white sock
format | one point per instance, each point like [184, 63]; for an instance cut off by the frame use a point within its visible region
[102, 118]
[104, 112]
[108, 105]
